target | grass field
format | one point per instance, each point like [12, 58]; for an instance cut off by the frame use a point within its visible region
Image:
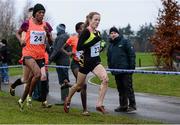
[155, 84]
[10, 114]
[147, 59]
[18, 71]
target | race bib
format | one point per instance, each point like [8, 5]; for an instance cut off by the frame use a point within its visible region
[95, 49]
[78, 54]
[37, 37]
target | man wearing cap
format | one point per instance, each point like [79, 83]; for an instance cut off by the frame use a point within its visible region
[121, 55]
[61, 59]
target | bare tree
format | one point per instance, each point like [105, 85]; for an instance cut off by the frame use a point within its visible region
[7, 21]
[25, 13]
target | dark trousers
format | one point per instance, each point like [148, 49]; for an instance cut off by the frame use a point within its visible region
[125, 89]
[63, 77]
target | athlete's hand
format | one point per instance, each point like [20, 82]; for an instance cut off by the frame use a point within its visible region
[23, 39]
[73, 54]
[22, 43]
[69, 53]
[81, 61]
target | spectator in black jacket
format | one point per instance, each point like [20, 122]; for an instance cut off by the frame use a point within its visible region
[121, 55]
[60, 58]
[4, 54]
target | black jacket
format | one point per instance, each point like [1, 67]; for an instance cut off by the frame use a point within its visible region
[5, 54]
[58, 56]
[120, 54]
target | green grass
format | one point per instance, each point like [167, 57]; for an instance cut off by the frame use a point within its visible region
[155, 84]
[10, 114]
[18, 71]
[15, 71]
[146, 59]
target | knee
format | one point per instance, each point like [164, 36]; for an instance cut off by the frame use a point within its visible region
[76, 87]
[37, 75]
[105, 80]
[79, 86]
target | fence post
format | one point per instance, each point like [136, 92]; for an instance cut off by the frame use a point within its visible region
[139, 62]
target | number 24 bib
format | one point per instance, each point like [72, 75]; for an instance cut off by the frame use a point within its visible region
[37, 37]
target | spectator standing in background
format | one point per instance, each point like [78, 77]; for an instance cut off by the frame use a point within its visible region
[121, 55]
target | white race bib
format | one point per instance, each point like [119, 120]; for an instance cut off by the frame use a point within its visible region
[78, 54]
[95, 50]
[37, 37]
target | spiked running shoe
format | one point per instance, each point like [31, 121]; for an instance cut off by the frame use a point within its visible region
[46, 105]
[29, 101]
[20, 104]
[66, 105]
[85, 113]
[101, 109]
[12, 91]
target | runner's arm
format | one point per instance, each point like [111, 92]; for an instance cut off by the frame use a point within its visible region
[84, 37]
[48, 30]
[21, 33]
[65, 51]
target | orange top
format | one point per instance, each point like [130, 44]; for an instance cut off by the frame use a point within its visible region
[46, 58]
[73, 41]
[35, 41]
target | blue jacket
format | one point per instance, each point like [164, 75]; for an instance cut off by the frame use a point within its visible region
[120, 54]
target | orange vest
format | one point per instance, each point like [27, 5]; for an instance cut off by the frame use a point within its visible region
[35, 40]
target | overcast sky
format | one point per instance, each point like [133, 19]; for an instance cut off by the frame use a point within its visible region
[113, 12]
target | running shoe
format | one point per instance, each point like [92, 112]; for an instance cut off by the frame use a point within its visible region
[29, 101]
[20, 104]
[121, 109]
[131, 109]
[12, 91]
[85, 113]
[66, 105]
[101, 109]
[46, 105]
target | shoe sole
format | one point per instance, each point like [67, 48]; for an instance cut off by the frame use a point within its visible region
[131, 111]
[85, 114]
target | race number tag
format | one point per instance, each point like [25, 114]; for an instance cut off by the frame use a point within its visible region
[95, 50]
[78, 54]
[37, 37]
